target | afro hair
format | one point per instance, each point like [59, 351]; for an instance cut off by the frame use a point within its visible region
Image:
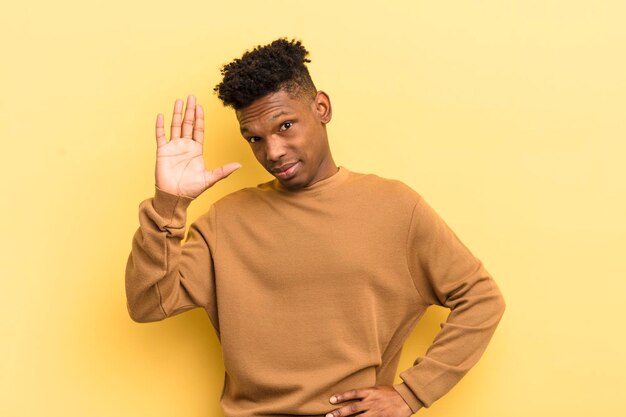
[266, 69]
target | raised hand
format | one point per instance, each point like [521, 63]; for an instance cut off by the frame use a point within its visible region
[180, 168]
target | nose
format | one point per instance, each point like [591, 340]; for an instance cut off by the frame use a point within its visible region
[274, 149]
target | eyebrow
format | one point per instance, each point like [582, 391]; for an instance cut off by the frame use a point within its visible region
[277, 115]
[272, 117]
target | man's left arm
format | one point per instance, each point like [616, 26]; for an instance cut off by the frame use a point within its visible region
[445, 273]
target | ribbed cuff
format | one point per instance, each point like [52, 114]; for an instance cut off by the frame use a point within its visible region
[405, 392]
[173, 208]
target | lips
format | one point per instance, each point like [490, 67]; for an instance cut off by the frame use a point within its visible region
[286, 170]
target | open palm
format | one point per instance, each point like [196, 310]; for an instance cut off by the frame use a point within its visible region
[180, 168]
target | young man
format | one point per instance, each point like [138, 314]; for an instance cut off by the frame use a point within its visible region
[314, 280]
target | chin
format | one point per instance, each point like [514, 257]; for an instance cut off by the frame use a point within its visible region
[293, 184]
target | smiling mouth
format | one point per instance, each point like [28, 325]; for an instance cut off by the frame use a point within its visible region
[285, 171]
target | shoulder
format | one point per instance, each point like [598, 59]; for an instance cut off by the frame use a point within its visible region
[245, 196]
[383, 188]
[231, 207]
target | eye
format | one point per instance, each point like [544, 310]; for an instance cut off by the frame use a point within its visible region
[253, 139]
[285, 126]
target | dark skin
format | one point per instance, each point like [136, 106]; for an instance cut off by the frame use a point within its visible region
[376, 401]
[287, 134]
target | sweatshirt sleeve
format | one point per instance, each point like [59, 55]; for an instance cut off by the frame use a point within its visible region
[165, 277]
[446, 273]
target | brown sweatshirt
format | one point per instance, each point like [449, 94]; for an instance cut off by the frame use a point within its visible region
[313, 292]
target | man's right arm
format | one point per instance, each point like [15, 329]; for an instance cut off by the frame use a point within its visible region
[164, 277]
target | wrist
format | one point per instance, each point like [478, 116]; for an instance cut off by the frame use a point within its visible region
[170, 206]
[409, 397]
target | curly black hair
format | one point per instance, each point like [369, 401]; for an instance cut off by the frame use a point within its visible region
[266, 69]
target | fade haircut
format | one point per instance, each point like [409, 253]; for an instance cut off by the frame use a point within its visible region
[266, 69]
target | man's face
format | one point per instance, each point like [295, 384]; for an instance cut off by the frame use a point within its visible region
[288, 137]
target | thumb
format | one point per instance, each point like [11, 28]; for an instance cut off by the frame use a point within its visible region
[218, 174]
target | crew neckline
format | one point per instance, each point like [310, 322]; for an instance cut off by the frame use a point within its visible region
[327, 183]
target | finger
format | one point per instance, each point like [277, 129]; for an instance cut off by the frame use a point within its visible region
[218, 174]
[348, 395]
[347, 410]
[177, 119]
[190, 112]
[160, 131]
[198, 130]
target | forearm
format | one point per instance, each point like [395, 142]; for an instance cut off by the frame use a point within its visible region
[152, 271]
[446, 273]
[476, 306]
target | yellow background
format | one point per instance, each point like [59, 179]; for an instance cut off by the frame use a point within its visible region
[507, 116]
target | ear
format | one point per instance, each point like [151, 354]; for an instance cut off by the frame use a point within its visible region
[323, 108]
